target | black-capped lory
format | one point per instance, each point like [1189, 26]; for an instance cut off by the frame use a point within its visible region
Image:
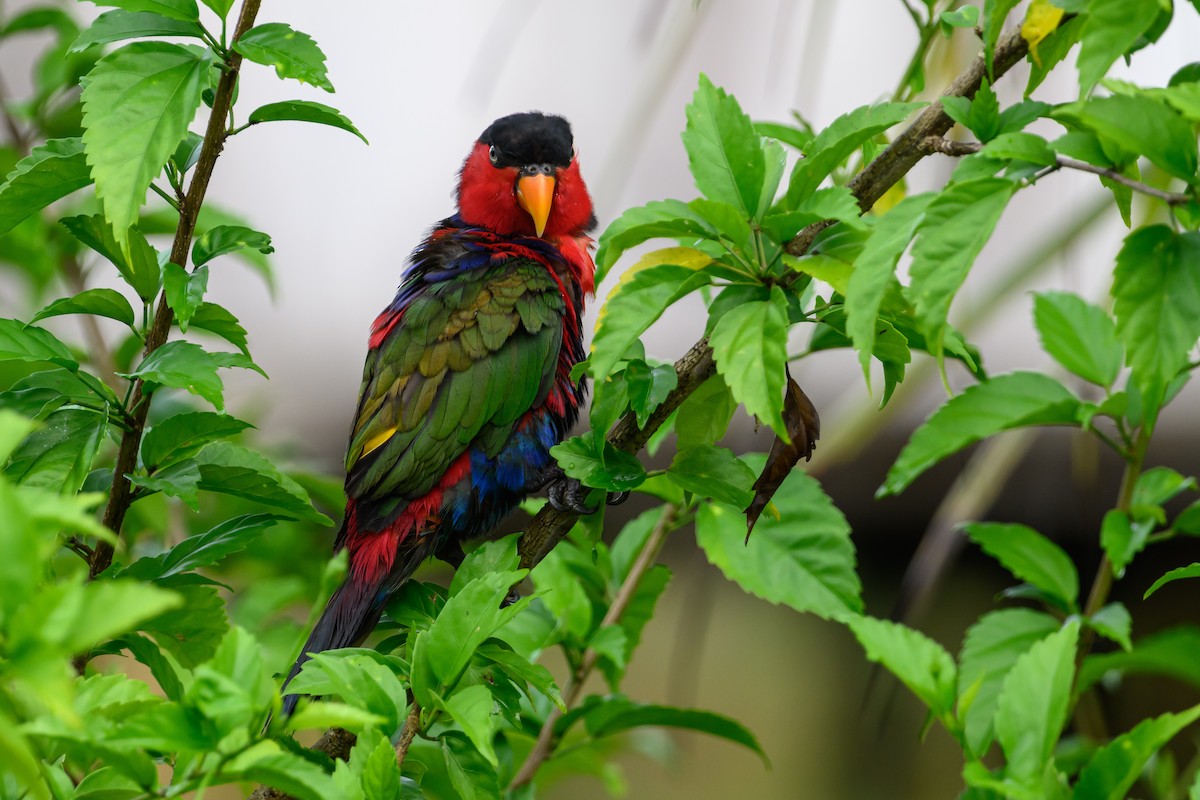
[467, 380]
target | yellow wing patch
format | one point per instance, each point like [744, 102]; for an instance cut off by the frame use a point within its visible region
[377, 441]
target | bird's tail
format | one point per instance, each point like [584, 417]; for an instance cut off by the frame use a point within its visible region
[350, 615]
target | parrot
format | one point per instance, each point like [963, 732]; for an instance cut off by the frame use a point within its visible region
[467, 382]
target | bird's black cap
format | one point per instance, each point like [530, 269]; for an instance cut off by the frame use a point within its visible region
[530, 138]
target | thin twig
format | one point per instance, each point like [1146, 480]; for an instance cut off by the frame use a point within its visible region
[412, 724]
[544, 745]
[949, 147]
[121, 495]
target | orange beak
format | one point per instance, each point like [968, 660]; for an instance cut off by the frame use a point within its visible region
[535, 194]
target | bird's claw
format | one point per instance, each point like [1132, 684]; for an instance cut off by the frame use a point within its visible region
[510, 598]
[569, 495]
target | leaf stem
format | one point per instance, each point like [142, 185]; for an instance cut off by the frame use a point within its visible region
[171, 201]
[121, 495]
[544, 745]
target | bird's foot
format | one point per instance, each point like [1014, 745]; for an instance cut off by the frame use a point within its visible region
[510, 598]
[568, 494]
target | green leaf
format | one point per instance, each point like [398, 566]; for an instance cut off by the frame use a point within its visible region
[1021, 146]
[648, 387]
[471, 776]
[304, 111]
[749, 344]
[1052, 49]
[704, 416]
[1122, 539]
[471, 708]
[184, 291]
[1018, 399]
[184, 365]
[563, 595]
[85, 615]
[956, 226]
[981, 114]
[1179, 573]
[1033, 704]
[1113, 622]
[268, 763]
[527, 675]
[362, 678]
[139, 268]
[962, 17]
[671, 219]
[724, 153]
[219, 7]
[715, 472]
[990, 648]
[203, 549]
[633, 620]
[802, 558]
[994, 14]
[1029, 556]
[50, 172]
[374, 761]
[1079, 335]
[137, 104]
[645, 291]
[292, 53]
[172, 9]
[218, 320]
[233, 470]
[875, 269]
[920, 663]
[224, 239]
[834, 144]
[1156, 291]
[1113, 769]
[182, 435]
[627, 716]
[594, 462]
[328, 714]
[499, 555]
[116, 26]
[20, 342]
[101, 302]
[59, 454]
[468, 618]
[1171, 653]
[1140, 124]
[1110, 29]
[1159, 485]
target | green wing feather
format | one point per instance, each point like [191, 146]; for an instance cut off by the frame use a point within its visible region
[469, 358]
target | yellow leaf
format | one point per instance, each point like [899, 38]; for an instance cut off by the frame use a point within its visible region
[831, 270]
[1040, 21]
[889, 199]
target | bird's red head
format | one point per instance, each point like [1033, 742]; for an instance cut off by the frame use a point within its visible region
[522, 177]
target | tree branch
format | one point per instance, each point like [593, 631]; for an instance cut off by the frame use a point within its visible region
[121, 495]
[697, 365]
[412, 724]
[646, 558]
[939, 144]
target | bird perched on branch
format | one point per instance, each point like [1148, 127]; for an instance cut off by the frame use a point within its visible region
[467, 380]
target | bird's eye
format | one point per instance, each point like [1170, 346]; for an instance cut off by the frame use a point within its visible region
[493, 154]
